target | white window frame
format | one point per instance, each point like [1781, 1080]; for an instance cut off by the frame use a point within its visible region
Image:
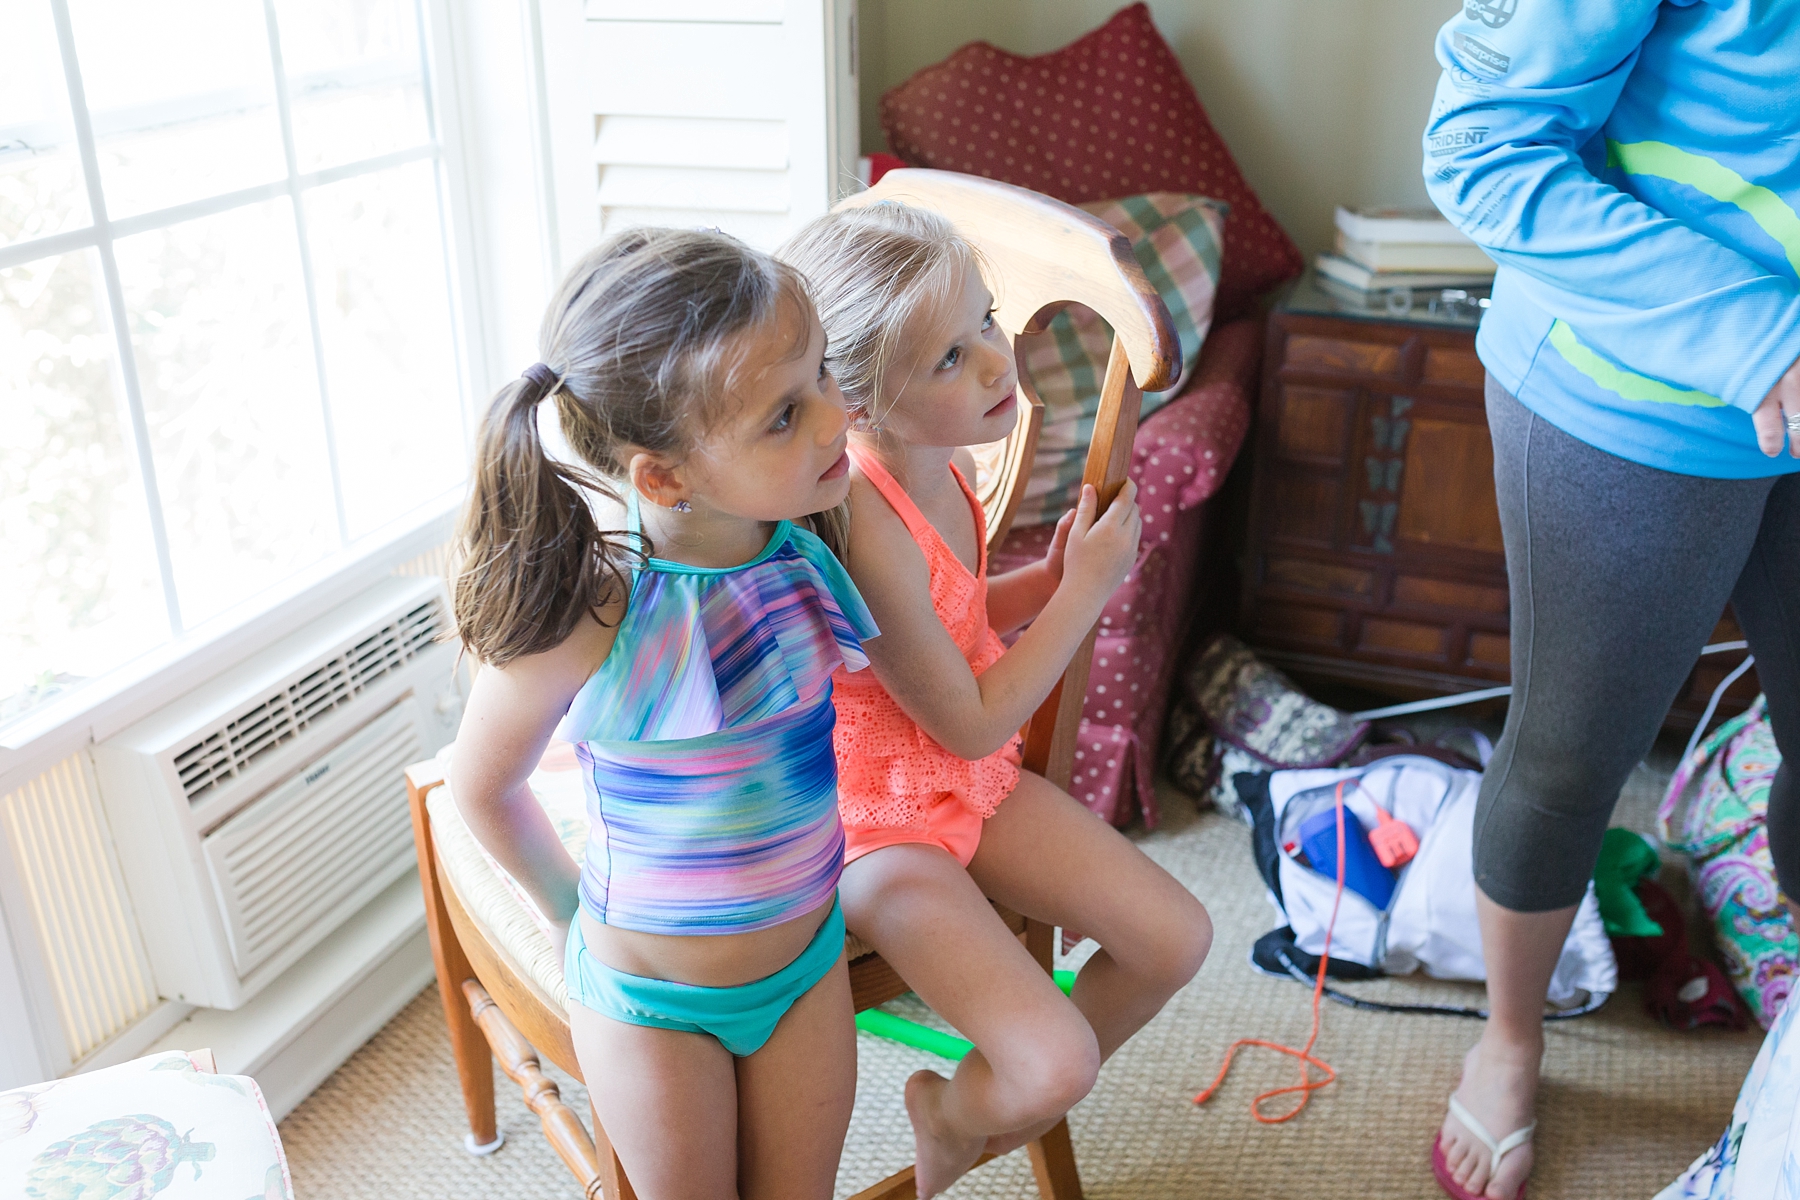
[500, 257]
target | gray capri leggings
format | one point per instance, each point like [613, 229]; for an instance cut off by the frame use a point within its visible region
[1618, 573]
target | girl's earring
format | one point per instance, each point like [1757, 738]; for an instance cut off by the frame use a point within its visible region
[682, 506]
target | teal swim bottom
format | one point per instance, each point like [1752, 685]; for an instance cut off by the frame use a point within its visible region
[741, 1017]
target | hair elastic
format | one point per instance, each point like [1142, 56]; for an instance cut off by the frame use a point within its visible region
[547, 381]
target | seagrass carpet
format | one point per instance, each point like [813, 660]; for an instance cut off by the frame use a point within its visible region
[1626, 1104]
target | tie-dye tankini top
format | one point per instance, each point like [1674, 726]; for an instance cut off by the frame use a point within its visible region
[705, 742]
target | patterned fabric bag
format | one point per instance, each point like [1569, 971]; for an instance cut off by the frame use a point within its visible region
[1236, 713]
[1715, 812]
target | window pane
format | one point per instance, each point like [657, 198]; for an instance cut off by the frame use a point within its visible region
[389, 356]
[41, 190]
[82, 594]
[183, 98]
[354, 78]
[224, 355]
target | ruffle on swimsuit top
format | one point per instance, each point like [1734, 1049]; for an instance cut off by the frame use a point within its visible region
[702, 650]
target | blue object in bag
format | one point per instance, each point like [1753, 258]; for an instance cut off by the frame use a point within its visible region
[1363, 872]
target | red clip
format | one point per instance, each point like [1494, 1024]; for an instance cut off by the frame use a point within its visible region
[1394, 841]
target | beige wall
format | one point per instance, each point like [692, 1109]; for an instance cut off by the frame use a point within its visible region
[1321, 101]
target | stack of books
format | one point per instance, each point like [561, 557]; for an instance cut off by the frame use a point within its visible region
[1381, 249]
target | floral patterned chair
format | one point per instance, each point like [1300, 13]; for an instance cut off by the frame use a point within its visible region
[132, 1131]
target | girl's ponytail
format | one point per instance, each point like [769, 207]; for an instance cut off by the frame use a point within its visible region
[534, 559]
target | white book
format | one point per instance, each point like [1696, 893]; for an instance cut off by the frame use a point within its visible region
[1416, 256]
[1354, 274]
[1413, 225]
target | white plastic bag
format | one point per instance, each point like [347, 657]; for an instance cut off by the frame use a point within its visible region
[1429, 923]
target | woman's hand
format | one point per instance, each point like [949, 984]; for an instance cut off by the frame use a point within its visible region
[1101, 551]
[1777, 418]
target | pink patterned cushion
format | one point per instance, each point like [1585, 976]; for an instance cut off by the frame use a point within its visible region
[1110, 114]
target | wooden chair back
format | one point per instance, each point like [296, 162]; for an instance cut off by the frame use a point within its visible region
[1039, 256]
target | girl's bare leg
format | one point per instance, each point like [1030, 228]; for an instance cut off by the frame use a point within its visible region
[1500, 1074]
[795, 1096]
[1045, 855]
[1035, 1054]
[668, 1101]
[691, 1122]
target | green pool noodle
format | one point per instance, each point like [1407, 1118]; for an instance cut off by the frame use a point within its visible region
[911, 1033]
[921, 1037]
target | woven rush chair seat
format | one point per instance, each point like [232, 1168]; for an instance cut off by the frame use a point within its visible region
[492, 898]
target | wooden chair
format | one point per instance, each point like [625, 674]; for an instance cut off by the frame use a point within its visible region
[502, 997]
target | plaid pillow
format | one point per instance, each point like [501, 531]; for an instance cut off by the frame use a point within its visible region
[1176, 240]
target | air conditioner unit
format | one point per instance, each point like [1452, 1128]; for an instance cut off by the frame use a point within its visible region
[256, 814]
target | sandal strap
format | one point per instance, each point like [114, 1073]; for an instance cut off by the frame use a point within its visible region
[1499, 1149]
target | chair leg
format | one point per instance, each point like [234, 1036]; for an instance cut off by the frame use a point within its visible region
[1053, 1155]
[474, 1061]
[1053, 1162]
[898, 1186]
[562, 1128]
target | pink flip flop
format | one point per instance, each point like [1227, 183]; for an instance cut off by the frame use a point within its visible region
[1440, 1167]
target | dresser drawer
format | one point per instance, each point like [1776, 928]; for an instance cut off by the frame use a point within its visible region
[1453, 365]
[1342, 355]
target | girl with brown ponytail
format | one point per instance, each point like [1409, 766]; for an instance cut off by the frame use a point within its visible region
[653, 603]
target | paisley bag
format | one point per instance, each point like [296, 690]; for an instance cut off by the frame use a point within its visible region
[1715, 813]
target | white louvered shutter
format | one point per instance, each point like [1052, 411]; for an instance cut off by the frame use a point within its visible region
[739, 114]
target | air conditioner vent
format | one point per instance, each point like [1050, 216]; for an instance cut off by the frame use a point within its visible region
[421, 627]
[236, 742]
[334, 833]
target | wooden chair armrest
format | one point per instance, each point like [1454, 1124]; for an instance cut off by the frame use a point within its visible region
[422, 777]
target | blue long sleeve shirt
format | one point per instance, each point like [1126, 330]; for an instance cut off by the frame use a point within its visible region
[1633, 166]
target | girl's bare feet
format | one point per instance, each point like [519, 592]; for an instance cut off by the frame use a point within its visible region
[1499, 1088]
[941, 1155]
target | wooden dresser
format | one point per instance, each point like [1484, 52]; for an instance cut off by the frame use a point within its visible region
[1374, 552]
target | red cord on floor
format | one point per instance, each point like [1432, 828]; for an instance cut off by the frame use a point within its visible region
[1307, 1085]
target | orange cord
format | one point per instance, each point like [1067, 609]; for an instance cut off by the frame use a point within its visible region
[1307, 1085]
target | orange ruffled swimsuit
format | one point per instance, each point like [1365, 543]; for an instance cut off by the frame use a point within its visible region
[895, 783]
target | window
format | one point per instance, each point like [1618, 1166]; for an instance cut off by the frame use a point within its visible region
[225, 313]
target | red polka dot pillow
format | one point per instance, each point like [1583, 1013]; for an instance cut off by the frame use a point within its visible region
[1110, 114]
[1176, 240]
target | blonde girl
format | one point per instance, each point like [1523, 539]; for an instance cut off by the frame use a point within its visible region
[937, 813]
[653, 604]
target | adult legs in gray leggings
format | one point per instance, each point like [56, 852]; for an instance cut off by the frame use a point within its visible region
[1618, 573]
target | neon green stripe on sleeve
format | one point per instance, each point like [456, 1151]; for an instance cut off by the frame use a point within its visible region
[1773, 214]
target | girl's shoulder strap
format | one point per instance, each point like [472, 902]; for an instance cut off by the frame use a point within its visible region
[892, 492]
[980, 514]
